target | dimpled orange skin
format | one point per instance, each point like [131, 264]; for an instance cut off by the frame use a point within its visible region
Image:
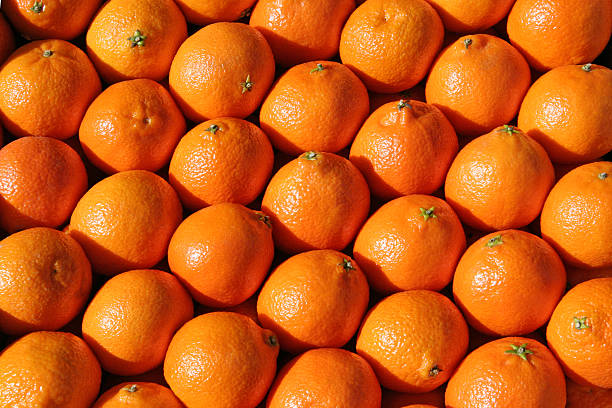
[300, 31]
[404, 150]
[224, 69]
[508, 283]
[552, 33]
[471, 16]
[393, 399]
[314, 107]
[567, 111]
[579, 396]
[46, 280]
[138, 395]
[117, 57]
[499, 180]
[203, 12]
[400, 247]
[576, 219]
[131, 125]
[325, 377]
[314, 299]
[579, 333]
[132, 318]
[478, 86]
[413, 340]
[317, 201]
[221, 160]
[222, 360]
[390, 45]
[125, 221]
[222, 253]
[48, 369]
[7, 39]
[491, 377]
[41, 180]
[46, 96]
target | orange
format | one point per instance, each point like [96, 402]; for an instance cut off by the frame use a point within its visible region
[390, 44]
[224, 69]
[404, 147]
[300, 31]
[499, 180]
[585, 396]
[132, 318]
[432, 399]
[478, 82]
[578, 275]
[510, 372]
[579, 333]
[567, 111]
[7, 39]
[552, 33]
[416, 93]
[314, 299]
[56, 83]
[202, 12]
[221, 360]
[412, 242]
[576, 219]
[48, 369]
[125, 221]
[471, 16]
[221, 160]
[318, 105]
[247, 308]
[138, 395]
[46, 279]
[317, 201]
[130, 39]
[413, 340]
[41, 180]
[502, 276]
[222, 253]
[132, 125]
[39, 19]
[325, 377]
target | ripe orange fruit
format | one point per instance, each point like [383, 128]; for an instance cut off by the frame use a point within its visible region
[579, 333]
[221, 359]
[416, 93]
[393, 399]
[413, 340]
[132, 318]
[203, 12]
[317, 201]
[576, 219]
[325, 377]
[41, 19]
[48, 369]
[300, 31]
[390, 45]
[41, 180]
[503, 275]
[586, 396]
[221, 160]
[130, 39]
[132, 125]
[56, 83]
[7, 39]
[478, 82]
[222, 253]
[567, 111]
[471, 16]
[318, 105]
[412, 242]
[404, 147]
[314, 299]
[46, 279]
[138, 395]
[552, 33]
[125, 221]
[499, 180]
[510, 372]
[209, 81]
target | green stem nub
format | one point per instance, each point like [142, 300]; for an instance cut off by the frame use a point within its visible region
[427, 214]
[47, 53]
[347, 265]
[580, 323]
[509, 130]
[603, 175]
[520, 351]
[494, 241]
[246, 13]
[37, 7]
[265, 219]
[271, 341]
[435, 370]
[131, 388]
[318, 68]
[467, 42]
[587, 67]
[137, 39]
[403, 104]
[247, 85]
[213, 129]
[311, 155]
